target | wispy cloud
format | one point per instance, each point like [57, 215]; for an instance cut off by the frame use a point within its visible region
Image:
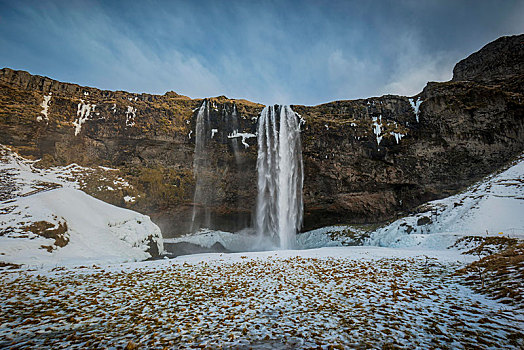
[304, 52]
[411, 68]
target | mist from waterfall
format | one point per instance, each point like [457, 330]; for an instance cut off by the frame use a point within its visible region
[233, 121]
[279, 210]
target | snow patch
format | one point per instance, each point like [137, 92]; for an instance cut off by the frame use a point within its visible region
[45, 108]
[243, 135]
[302, 120]
[106, 168]
[398, 136]
[130, 116]
[415, 104]
[83, 112]
[377, 128]
[98, 232]
[129, 199]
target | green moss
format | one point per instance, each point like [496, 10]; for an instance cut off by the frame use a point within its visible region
[164, 187]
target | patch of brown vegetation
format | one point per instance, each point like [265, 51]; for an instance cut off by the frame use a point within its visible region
[173, 94]
[10, 266]
[163, 187]
[47, 230]
[485, 245]
[500, 275]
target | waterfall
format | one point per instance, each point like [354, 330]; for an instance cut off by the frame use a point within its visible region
[200, 165]
[279, 209]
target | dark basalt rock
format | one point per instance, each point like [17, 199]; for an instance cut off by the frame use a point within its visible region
[424, 221]
[499, 60]
[466, 128]
[185, 248]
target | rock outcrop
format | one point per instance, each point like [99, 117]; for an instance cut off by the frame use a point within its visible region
[365, 161]
[498, 60]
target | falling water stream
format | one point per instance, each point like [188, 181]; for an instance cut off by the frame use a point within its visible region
[234, 141]
[279, 209]
[200, 164]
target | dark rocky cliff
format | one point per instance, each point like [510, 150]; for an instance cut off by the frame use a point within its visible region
[365, 160]
[498, 60]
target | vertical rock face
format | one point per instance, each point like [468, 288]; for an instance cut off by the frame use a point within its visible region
[151, 139]
[364, 160]
[371, 158]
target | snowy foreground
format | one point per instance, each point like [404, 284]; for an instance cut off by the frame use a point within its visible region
[347, 297]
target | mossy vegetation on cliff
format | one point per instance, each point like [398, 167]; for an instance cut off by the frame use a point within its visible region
[164, 187]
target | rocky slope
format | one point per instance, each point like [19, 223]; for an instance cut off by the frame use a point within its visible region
[365, 160]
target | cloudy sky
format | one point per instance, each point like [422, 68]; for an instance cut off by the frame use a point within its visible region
[298, 52]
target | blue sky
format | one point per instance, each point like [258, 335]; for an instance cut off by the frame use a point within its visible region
[297, 52]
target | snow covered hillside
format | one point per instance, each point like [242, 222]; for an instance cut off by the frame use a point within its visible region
[492, 207]
[46, 220]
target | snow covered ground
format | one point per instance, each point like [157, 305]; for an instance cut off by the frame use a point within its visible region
[46, 220]
[344, 297]
[248, 240]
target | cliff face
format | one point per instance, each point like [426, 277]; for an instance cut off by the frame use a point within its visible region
[365, 160]
[498, 60]
[464, 132]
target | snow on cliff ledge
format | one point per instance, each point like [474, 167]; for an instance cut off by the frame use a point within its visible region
[61, 225]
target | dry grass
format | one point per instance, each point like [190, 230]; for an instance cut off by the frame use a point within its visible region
[10, 266]
[500, 275]
[48, 230]
[480, 245]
